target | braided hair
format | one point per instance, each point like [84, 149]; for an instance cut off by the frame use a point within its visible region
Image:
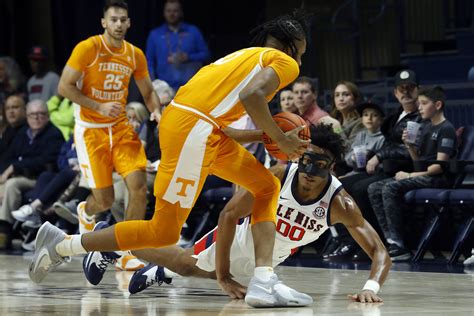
[286, 29]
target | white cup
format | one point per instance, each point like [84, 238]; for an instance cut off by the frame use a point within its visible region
[360, 154]
[412, 131]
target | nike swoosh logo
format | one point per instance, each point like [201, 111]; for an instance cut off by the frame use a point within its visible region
[283, 198]
[41, 255]
[102, 54]
[269, 291]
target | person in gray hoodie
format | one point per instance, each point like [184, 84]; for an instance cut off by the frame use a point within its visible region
[370, 136]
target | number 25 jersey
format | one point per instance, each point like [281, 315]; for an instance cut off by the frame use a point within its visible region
[106, 73]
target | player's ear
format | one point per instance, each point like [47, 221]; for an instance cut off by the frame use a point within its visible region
[104, 24]
[129, 23]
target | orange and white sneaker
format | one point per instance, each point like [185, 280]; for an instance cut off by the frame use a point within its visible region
[86, 224]
[129, 263]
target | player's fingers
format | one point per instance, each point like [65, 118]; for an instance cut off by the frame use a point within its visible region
[352, 297]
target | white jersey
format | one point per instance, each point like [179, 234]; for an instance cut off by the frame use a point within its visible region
[298, 223]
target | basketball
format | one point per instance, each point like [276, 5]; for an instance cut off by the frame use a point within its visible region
[286, 121]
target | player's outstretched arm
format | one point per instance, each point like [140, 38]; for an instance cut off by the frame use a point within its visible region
[150, 97]
[67, 88]
[344, 210]
[244, 136]
[239, 206]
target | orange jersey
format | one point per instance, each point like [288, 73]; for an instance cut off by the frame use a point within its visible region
[106, 73]
[214, 89]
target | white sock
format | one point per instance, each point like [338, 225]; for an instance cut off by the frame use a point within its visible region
[70, 246]
[263, 273]
[169, 273]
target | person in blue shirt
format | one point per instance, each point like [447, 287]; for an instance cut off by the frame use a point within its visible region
[175, 50]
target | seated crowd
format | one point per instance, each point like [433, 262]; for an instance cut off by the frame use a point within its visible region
[40, 178]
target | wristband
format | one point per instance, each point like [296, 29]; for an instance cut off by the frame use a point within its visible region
[372, 286]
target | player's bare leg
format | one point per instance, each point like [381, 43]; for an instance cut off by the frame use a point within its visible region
[97, 202]
[136, 186]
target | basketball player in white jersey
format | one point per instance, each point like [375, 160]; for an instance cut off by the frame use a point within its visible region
[311, 200]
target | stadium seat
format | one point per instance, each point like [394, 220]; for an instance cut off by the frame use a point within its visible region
[457, 195]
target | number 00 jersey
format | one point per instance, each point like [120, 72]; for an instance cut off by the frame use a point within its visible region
[106, 73]
[298, 223]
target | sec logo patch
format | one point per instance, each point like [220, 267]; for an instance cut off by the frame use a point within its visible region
[319, 212]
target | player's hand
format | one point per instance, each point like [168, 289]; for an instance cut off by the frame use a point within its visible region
[110, 109]
[233, 288]
[155, 116]
[372, 164]
[292, 144]
[365, 296]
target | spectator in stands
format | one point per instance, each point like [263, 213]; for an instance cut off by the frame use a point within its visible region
[61, 114]
[49, 185]
[370, 136]
[164, 91]
[287, 100]
[12, 80]
[175, 50]
[437, 142]
[306, 95]
[15, 118]
[34, 149]
[346, 96]
[393, 151]
[44, 82]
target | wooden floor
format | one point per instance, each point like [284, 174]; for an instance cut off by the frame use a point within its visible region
[66, 292]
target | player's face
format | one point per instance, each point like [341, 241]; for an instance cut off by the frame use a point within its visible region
[314, 166]
[116, 22]
[300, 50]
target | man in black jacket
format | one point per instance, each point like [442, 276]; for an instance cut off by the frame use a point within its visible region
[33, 150]
[16, 119]
[393, 151]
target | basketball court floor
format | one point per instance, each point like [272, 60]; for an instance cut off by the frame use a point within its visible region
[66, 292]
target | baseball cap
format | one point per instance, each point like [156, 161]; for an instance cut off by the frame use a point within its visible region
[405, 77]
[38, 53]
[373, 102]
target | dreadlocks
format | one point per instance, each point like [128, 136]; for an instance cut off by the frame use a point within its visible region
[287, 29]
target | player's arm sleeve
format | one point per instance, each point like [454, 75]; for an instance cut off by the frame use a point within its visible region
[286, 68]
[83, 55]
[141, 70]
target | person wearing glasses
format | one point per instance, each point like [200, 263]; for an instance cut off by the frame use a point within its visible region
[33, 150]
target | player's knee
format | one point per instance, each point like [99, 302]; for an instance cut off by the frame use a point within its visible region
[163, 235]
[271, 187]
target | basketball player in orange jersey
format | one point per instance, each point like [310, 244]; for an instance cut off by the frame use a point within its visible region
[96, 79]
[193, 145]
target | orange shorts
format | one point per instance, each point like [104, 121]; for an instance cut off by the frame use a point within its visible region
[103, 148]
[191, 149]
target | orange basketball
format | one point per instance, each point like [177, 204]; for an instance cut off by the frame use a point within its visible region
[286, 121]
